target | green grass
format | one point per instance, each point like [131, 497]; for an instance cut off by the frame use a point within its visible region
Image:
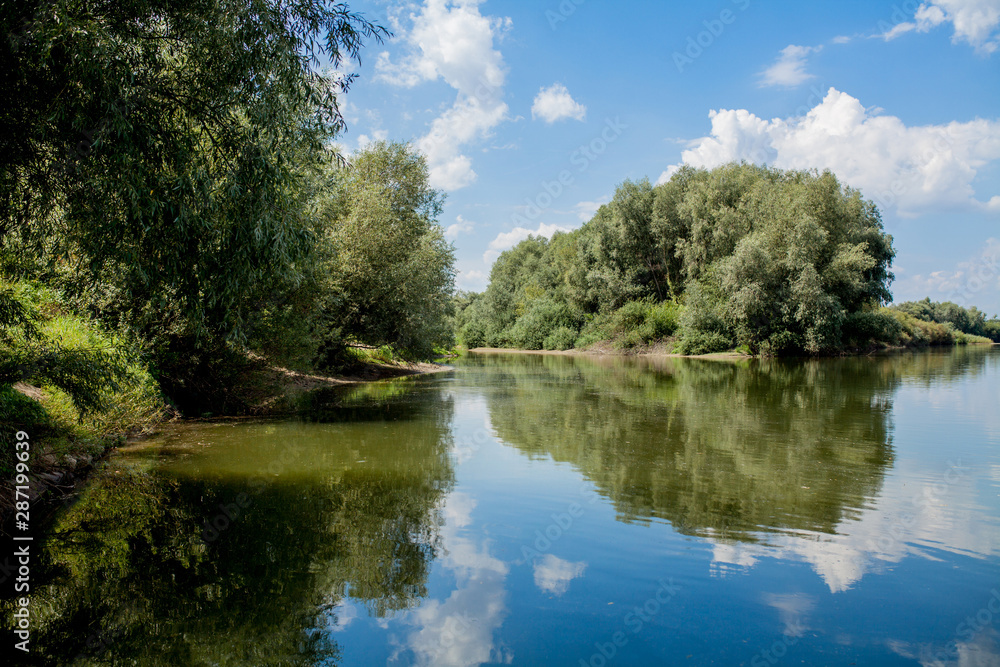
[60, 423]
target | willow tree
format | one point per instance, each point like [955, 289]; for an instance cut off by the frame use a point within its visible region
[793, 260]
[159, 147]
[387, 274]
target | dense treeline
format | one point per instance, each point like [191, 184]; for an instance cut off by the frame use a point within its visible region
[951, 317]
[742, 256]
[175, 212]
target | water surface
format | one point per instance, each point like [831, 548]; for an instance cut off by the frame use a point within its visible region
[552, 510]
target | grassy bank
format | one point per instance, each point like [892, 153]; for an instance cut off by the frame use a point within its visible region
[75, 390]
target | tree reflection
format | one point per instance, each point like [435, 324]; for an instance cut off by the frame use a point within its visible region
[237, 549]
[721, 448]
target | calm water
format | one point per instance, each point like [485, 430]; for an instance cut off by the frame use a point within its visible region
[534, 510]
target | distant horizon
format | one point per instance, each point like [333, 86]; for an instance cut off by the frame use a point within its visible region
[531, 114]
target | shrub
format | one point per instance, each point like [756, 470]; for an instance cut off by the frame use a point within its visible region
[560, 339]
[991, 330]
[702, 328]
[919, 333]
[863, 328]
[641, 322]
[541, 319]
[703, 342]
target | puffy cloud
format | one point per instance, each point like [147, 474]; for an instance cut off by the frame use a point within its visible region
[555, 103]
[973, 282]
[472, 280]
[587, 209]
[553, 574]
[974, 21]
[790, 68]
[451, 40]
[507, 240]
[462, 226]
[377, 135]
[918, 508]
[909, 168]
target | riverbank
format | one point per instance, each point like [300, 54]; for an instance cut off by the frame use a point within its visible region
[663, 349]
[62, 457]
[607, 348]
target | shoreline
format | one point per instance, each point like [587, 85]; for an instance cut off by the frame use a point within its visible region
[606, 349]
[609, 351]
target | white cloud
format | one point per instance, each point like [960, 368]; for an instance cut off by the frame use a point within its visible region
[897, 166]
[553, 574]
[587, 209]
[377, 135]
[789, 69]
[974, 21]
[507, 240]
[451, 40]
[916, 509]
[462, 226]
[472, 280]
[974, 282]
[555, 103]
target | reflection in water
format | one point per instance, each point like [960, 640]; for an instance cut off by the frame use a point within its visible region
[459, 631]
[719, 449]
[761, 458]
[253, 534]
[553, 574]
[388, 527]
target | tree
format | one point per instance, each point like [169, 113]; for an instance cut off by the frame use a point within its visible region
[386, 270]
[778, 261]
[161, 147]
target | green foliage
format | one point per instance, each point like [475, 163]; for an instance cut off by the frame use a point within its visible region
[385, 274]
[991, 329]
[561, 338]
[642, 322]
[161, 147]
[543, 318]
[770, 260]
[92, 385]
[965, 320]
[867, 327]
[919, 333]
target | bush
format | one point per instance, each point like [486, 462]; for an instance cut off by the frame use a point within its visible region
[991, 330]
[560, 339]
[630, 317]
[864, 328]
[18, 413]
[662, 319]
[703, 342]
[642, 322]
[962, 338]
[918, 333]
[702, 328]
[543, 317]
[597, 328]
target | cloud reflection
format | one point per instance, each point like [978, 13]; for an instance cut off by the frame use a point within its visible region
[459, 631]
[553, 574]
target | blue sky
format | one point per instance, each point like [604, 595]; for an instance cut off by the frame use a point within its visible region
[530, 113]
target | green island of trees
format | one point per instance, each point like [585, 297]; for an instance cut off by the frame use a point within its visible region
[760, 260]
[178, 225]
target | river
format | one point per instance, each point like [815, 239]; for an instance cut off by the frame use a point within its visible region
[554, 510]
